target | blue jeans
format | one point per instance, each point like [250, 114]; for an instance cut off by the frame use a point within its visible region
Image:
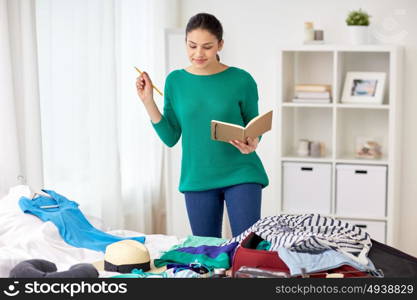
[205, 208]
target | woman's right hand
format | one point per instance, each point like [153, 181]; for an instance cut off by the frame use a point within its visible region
[144, 88]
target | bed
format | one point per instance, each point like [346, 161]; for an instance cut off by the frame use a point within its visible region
[24, 236]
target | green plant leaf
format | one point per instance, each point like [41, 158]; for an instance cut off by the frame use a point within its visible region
[358, 18]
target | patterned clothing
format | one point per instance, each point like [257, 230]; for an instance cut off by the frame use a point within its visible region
[208, 256]
[311, 233]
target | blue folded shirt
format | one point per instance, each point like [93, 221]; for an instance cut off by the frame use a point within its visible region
[72, 225]
[321, 261]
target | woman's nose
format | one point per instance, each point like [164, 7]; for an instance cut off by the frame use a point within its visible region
[199, 51]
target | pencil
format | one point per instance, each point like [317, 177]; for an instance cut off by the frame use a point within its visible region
[140, 72]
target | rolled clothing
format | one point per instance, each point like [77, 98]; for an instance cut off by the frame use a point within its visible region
[40, 268]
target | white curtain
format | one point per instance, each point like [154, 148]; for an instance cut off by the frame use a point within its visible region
[98, 145]
[20, 131]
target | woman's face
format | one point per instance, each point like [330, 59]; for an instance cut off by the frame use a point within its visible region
[202, 47]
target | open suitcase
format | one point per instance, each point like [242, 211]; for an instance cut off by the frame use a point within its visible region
[392, 262]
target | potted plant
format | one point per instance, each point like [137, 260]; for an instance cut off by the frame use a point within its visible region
[358, 24]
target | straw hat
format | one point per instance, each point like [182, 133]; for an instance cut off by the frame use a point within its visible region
[124, 256]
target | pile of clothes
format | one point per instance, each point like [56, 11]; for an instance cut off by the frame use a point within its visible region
[308, 245]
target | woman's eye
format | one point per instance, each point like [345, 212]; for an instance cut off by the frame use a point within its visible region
[206, 48]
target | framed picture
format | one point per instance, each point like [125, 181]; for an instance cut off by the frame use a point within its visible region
[364, 88]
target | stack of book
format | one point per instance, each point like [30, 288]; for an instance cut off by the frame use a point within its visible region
[312, 93]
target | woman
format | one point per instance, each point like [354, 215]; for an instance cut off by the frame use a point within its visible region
[212, 172]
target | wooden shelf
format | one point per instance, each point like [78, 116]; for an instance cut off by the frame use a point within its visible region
[339, 47]
[360, 218]
[363, 106]
[338, 105]
[327, 159]
[351, 159]
[319, 105]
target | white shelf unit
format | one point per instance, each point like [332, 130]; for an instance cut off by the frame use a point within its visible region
[338, 125]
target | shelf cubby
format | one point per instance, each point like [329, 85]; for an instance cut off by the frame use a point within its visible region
[301, 123]
[353, 123]
[360, 61]
[302, 67]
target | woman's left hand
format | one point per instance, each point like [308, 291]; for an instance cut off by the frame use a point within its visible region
[248, 147]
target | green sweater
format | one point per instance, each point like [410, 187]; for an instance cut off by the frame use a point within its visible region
[191, 102]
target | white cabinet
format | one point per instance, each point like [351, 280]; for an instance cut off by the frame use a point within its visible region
[376, 229]
[361, 190]
[306, 187]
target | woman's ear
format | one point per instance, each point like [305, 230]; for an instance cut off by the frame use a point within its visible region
[221, 44]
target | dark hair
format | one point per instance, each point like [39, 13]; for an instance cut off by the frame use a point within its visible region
[208, 22]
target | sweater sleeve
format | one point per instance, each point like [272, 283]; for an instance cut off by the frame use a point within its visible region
[249, 105]
[168, 128]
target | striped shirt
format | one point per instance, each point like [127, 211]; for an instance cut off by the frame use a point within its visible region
[311, 233]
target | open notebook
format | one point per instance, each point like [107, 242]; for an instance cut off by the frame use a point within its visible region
[223, 131]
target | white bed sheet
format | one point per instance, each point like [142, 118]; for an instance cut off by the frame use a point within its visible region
[24, 236]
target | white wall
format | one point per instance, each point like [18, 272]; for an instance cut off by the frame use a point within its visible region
[255, 29]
